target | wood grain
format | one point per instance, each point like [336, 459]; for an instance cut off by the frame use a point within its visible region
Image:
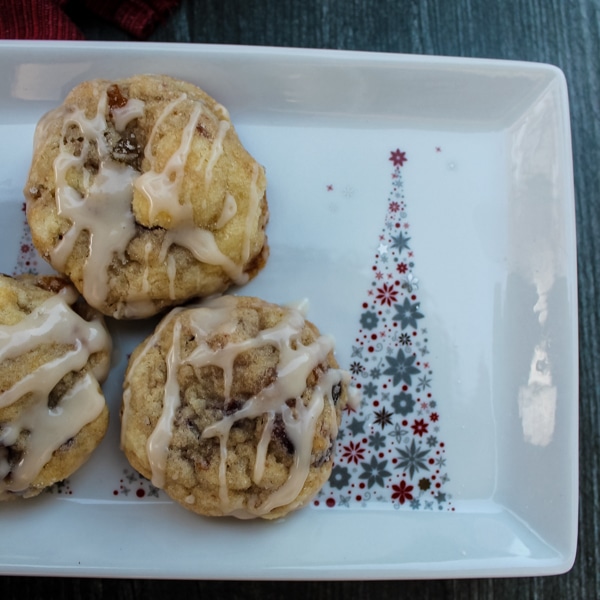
[565, 33]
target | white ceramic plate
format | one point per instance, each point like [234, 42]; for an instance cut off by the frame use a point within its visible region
[424, 207]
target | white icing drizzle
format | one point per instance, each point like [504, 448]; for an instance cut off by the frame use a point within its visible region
[162, 191]
[163, 115]
[253, 209]
[171, 274]
[53, 322]
[162, 188]
[296, 362]
[153, 340]
[229, 211]
[145, 282]
[105, 211]
[158, 442]
[222, 111]
[123, 115]
[202, 244]
[216, 151]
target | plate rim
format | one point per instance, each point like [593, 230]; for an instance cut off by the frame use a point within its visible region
[316, 55]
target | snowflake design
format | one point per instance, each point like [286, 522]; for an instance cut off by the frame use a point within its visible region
[135, 485]
[392, 449]
[60, 488]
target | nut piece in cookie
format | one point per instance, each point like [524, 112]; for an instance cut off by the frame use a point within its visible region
[54, 351]
[233, 406]
[141, 192]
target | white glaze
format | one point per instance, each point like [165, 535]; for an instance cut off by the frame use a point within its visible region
[216, 151]
[105, 210]
[162, 188]
[123, 115]
[296, 362]
[52, 322]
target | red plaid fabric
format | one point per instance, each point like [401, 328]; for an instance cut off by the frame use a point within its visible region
[46, 20]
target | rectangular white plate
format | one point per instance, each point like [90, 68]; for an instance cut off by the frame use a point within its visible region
[487, 190]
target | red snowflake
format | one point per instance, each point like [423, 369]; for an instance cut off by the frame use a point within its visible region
[419, 427]
[398, 158]
[353, 452]
[402, 267]
[394, 207]
[379, 275]
[386, 294]
[434, 417]
[402, 492]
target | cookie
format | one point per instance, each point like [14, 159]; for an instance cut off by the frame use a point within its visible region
[233, 406]
[54, 351]
[141, 192]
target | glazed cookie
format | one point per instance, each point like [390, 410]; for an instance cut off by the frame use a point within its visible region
[232, 407]
[141, 192]
[54, 351]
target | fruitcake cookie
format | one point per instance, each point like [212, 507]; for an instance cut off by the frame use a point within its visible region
[232, 407]
[54, 351]
[141, 192]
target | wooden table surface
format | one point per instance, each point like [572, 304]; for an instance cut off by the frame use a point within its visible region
[565, 33]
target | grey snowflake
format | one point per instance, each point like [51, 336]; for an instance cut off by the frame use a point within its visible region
[375, 373]
[400, 242]
[356, 426]
[399, 433]
[424, 382]
[377, 440]
[403, 403]
[344, 501]
[432, 441]
[339, 477]
[369, 320]
[369, 390]
[412, 458]
[407, 314]
[130, 475]
[401, 367]
[153, 491]
[374, 472]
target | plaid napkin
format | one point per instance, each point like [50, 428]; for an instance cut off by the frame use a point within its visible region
[46, 19]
